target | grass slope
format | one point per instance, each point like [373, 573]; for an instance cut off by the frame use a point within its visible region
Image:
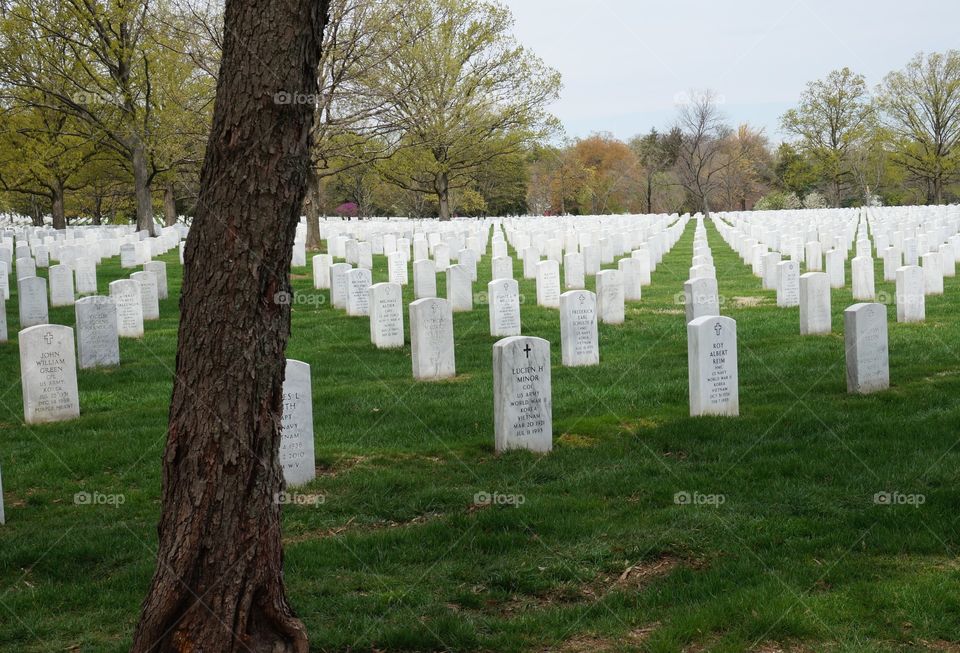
[598, 556]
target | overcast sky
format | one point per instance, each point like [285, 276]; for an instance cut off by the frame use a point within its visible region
[625, 62]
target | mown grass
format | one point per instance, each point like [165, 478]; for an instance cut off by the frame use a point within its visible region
[598, 556]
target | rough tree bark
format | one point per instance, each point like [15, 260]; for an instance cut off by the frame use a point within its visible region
[35, 215]
[141, 188]
[443, 195]
[311, 208]
[218, 586]
[58, 197]
[169, 205]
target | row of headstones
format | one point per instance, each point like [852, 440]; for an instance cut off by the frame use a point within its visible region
[522, 392]
[635, 270]
[351, 289]
[712, 345]
[48, 365]
[522, 386]
[811, 290]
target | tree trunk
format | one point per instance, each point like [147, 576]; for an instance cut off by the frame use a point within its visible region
[35, 214]
[57, 208]
[141, 187]
[218, 586]
[169, 205]
[443, 195]
[649, 193]
[97, 209]
[311, 208]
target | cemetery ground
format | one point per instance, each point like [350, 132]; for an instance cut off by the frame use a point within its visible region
[815, 521]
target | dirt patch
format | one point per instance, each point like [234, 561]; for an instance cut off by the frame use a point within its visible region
[702, 647]
[342, 465]
[941, 645]
[351, 527]
[748, 302]
[576, 441]
[595, 644]
[638, 575]
[632, 579]
[664, 311]
[774, 647]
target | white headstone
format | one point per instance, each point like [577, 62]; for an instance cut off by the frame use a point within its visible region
[815, 315]
[701, 297]
[504, 306]
[836, 268]
[911, 299]
[632, 280]
[431, 339]
[548, 284]
[32, 301]
[338, 284]
[610, 309]
[573, 271]
[359, 281]
[579, 341]
[424, 279]
[4, 280]
[296, 439]
[98, 344]
[26, 268]
[127, 295]
[861, 269]
[522, 394]
[788, 284]
[128, 255]
[149, 297]
[60, 278]
[814, 256]
[159, 269]
[85, 275]
[502, 267]
[48, 372]
[770, 262]
[868, 356]
[932, 273]
[642, 254]
[459, 288]
[397, 268]
[386, 315]
[321, 271]
[712, 366]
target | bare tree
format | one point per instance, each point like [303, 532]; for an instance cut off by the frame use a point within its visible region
[701, 156]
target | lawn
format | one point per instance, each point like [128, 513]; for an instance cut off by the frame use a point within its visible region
[781, 547]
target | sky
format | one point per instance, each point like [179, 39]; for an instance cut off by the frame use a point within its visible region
[626, 63]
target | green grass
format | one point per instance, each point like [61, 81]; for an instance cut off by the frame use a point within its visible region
[397, 558]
